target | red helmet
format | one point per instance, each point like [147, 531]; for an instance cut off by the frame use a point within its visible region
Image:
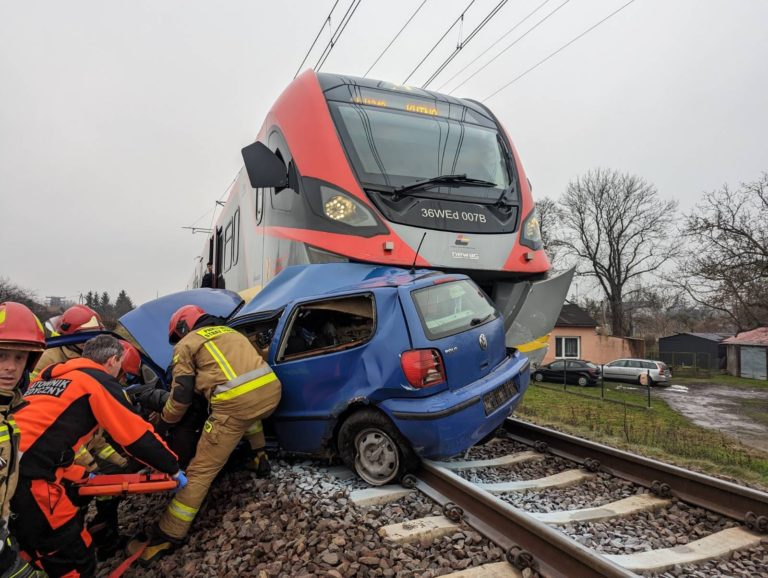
[131, 358]
[21, 330]
[183, 321]
[79, 318]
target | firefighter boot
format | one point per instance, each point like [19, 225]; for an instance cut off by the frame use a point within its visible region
[155, 543]
[259, 463]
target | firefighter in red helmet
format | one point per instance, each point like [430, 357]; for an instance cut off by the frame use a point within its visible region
[219, 363]
[22, 341]
[76, 318]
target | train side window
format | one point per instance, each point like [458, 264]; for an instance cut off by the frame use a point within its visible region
[236, 237]
[227, 256]
[259, 205]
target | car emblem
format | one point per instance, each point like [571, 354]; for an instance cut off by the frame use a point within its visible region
[483, 341]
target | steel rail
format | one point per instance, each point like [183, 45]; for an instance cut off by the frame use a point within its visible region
[528, 543]
[741, 503]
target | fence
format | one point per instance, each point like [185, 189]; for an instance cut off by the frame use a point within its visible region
[687, 363]
[629, 394]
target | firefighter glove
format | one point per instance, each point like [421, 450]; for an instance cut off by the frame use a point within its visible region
[181, 478]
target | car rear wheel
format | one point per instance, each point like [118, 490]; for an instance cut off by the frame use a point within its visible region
[370, 445]
[538, 377]
[582, 381]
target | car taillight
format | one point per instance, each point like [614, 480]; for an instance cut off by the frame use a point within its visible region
[423, 367]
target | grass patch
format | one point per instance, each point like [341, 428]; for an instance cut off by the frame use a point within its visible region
[658, 432]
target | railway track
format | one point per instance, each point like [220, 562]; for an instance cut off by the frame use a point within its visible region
[562, 506]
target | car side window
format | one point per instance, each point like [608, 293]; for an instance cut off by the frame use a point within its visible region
[648, 365]
[327, 326]
[634, 364]
[619, 363]
[557, 365]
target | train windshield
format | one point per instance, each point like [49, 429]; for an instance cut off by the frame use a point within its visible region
[393, 148]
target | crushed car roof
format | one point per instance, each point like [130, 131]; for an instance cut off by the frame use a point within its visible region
[316, 280]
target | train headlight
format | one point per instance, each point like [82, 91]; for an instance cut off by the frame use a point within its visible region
[531, 234]
[341, 207]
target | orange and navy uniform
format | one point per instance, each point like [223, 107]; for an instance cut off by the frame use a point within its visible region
[62, 411]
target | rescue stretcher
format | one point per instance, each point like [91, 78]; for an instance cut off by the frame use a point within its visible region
[122, 484]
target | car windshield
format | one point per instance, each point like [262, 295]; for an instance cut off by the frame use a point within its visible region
[450, 308]
[393, 148]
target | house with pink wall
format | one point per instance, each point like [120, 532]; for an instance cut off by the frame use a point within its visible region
[576, 336]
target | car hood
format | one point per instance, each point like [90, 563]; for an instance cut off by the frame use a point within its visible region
[148, 324]
[303, 281]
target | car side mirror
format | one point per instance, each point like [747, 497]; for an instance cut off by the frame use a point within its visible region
[265, 169]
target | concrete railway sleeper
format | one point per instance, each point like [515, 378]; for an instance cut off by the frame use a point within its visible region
[570, 504]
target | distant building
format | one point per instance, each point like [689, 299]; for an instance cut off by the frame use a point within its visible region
[702, 350]
[748, 354]
[575, 336]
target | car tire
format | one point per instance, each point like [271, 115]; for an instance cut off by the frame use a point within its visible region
[582, 381]
[538, 377]
[373, 448]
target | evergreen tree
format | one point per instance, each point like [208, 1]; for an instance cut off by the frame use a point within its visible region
[123, 304]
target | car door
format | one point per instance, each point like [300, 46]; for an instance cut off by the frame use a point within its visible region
[148, 323]
[329, 352]
[555, 371]
[633, 369]
[614, 369]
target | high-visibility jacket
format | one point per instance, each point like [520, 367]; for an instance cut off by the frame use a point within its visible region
[55, 355]
[222, 365]
[63, 411]
[9, 457]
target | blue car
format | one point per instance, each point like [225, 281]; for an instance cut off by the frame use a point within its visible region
[379, 365]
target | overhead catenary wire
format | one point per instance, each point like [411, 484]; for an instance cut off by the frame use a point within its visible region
[518, 39]
[431, 50]
[502, 37]
[337, 34]
[327, 21]
[464, 42]
[391, 42]
[563, 47]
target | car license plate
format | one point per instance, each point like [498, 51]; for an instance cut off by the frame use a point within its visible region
[493, 399]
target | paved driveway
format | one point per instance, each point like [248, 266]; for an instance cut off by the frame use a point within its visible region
[737, 412]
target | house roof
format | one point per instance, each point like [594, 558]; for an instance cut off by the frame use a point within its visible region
[717, 337]
[572, 315]
[757, 336]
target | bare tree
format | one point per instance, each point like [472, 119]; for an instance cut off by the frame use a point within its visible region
[9, 291]
[726, 265]
[549, 223]
[617, 228]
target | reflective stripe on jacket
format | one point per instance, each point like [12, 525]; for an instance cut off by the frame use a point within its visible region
[221, 364]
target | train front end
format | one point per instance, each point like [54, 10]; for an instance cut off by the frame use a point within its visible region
[402, 176]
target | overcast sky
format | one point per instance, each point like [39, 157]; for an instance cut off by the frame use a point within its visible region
[122, 122]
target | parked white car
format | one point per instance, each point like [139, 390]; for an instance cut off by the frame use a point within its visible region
[632, 369]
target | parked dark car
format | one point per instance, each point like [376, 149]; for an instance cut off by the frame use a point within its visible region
[576, 371]
[379, 365]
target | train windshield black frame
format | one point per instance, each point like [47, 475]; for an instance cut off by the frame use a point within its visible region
[390, 148]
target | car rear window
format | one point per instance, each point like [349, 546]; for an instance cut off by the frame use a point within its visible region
[450, 308]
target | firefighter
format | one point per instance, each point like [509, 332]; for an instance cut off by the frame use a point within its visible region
[22, 341]
[221, 364]
[63, 409]
[76, 318]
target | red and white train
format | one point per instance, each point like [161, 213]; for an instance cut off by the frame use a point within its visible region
[354, 169]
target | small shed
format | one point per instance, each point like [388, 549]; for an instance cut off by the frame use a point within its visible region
[748, 354]
[701, 350]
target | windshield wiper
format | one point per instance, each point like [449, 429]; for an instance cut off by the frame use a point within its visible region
[478, 320]
[462, 179]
